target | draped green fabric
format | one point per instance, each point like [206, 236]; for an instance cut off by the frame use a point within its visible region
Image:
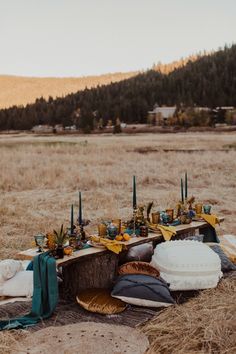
[45, 295]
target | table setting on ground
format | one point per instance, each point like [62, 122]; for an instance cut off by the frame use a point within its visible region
[91, 260]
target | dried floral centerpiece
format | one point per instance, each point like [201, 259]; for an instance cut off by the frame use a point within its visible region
[60, 240]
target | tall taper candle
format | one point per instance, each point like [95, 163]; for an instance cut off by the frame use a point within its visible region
[72, 219]
[186, 185]
[80, 209]
[182, 191]
[134, 193]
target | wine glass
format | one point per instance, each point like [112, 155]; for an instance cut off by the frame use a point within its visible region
[39, 240]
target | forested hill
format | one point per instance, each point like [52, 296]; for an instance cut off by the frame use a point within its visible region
[209, 81]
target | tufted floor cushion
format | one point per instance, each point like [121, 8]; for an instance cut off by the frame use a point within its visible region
[187, 265]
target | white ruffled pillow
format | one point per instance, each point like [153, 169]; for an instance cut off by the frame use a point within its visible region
[187, 265]
[8, 268]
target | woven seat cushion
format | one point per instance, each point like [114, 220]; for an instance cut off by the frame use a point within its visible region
[142, 290]
[100, 301]
[187, 265]
[138, 268]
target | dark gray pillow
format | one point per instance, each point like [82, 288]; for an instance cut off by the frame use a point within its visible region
[226, 264]
[142, 290]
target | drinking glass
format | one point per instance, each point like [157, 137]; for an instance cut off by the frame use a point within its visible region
[39, 240]
[198, 208]
[207, 209]
[156, 217]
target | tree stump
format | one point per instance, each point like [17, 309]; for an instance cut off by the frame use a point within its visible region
[89, 272]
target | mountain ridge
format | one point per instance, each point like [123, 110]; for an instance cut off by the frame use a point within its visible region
[22, 90]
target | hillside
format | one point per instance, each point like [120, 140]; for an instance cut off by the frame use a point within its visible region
[20, 90]
[17, 90]
[208, 81]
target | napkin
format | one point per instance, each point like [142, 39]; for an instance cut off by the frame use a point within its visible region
[211, 219]
[166, 231]
[111, 245]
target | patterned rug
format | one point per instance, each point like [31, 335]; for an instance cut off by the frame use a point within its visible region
[69, 313]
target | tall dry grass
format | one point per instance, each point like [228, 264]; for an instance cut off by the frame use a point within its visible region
[205, 324]
[40, 178]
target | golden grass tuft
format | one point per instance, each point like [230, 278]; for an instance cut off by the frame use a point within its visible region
[8, 339]
[205, 324]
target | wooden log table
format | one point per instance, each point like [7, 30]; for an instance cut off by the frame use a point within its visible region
[96, 268]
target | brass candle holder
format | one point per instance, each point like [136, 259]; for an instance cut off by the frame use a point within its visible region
[82, 233]
[134, 223]
[72, 240]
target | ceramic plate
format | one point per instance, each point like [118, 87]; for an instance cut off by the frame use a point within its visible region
[96, 244]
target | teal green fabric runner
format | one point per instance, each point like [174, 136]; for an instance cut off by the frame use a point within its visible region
[45, 295]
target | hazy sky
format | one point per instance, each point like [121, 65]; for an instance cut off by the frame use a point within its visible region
[87, 37]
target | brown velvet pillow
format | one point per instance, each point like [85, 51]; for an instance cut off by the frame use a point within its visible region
[138, 268]
[100, 301]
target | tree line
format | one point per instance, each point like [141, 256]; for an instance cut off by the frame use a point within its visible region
[209, 81]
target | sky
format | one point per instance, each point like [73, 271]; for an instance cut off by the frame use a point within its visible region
[73, 38]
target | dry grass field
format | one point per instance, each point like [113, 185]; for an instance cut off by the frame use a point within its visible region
[40, 177]
[17, 90]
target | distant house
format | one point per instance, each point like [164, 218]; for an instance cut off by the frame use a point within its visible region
[70, 127]
[160, 115]
[225, 108]
[59, 128]
[201, 109]
[224, 114]
[42, 129]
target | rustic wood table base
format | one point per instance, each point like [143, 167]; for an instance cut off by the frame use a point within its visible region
[98, 272]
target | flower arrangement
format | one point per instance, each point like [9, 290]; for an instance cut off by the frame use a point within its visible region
[60, 236]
